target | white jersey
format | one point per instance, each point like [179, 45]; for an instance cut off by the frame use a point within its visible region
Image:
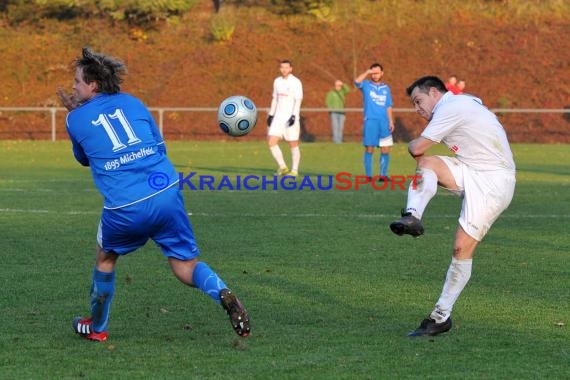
[287, 97]
[471, 131]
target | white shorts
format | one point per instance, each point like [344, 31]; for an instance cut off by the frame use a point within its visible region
[280, 129]
[486, 194]
[386, 141]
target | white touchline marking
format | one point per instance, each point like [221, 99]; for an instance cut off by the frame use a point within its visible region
[292, 215]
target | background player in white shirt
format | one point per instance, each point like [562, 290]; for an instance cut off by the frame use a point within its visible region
[283, 120]
[482, 172]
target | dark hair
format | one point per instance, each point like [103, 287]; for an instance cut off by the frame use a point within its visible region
[286, 61]
[425, 83]
[106, 71]
[376, 64]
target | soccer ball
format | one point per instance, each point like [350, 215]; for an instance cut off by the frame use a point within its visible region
[237, 115]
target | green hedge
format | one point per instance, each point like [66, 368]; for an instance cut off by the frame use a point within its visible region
[138, 12]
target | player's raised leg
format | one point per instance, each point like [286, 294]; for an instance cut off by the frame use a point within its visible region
[198, 274]
[177, 241]
[431, 171]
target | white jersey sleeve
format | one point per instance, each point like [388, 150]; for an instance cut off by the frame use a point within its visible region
[471, 131]
[273, 107]
[298, 97]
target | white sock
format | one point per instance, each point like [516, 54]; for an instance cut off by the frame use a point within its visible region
[457, 277]
[296, 158]
[278, 156]
[426, 188]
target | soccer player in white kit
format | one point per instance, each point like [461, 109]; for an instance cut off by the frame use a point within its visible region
[482, 172]
[283, 119]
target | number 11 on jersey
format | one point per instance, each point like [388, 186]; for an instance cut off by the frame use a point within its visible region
[104, 121]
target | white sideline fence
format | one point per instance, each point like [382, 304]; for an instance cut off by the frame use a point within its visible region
[162, 110]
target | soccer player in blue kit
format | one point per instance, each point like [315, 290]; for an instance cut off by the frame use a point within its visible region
[378, 119]
[116, 136]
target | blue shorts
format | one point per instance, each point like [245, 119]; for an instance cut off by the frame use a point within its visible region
[374, 130]
[161, 218]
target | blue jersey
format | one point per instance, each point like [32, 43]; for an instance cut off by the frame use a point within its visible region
[377, 98]
[117, 137]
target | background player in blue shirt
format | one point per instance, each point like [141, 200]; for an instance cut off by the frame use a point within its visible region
[115, 135]
[378, 120]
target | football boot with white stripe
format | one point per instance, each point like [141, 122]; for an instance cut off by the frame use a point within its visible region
[84, 327]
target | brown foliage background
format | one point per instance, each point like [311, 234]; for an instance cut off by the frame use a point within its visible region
[507, 60]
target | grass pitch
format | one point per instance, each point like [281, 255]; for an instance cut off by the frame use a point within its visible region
[330, 290]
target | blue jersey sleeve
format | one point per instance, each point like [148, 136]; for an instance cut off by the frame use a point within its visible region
[388, 97]
[360, 85]
[78, 152]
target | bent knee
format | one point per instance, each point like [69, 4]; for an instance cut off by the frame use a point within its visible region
[464, 245]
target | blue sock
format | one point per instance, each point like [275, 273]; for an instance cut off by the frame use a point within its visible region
[102, 291]
[368, 164]
[205, 279]
[384, 163]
